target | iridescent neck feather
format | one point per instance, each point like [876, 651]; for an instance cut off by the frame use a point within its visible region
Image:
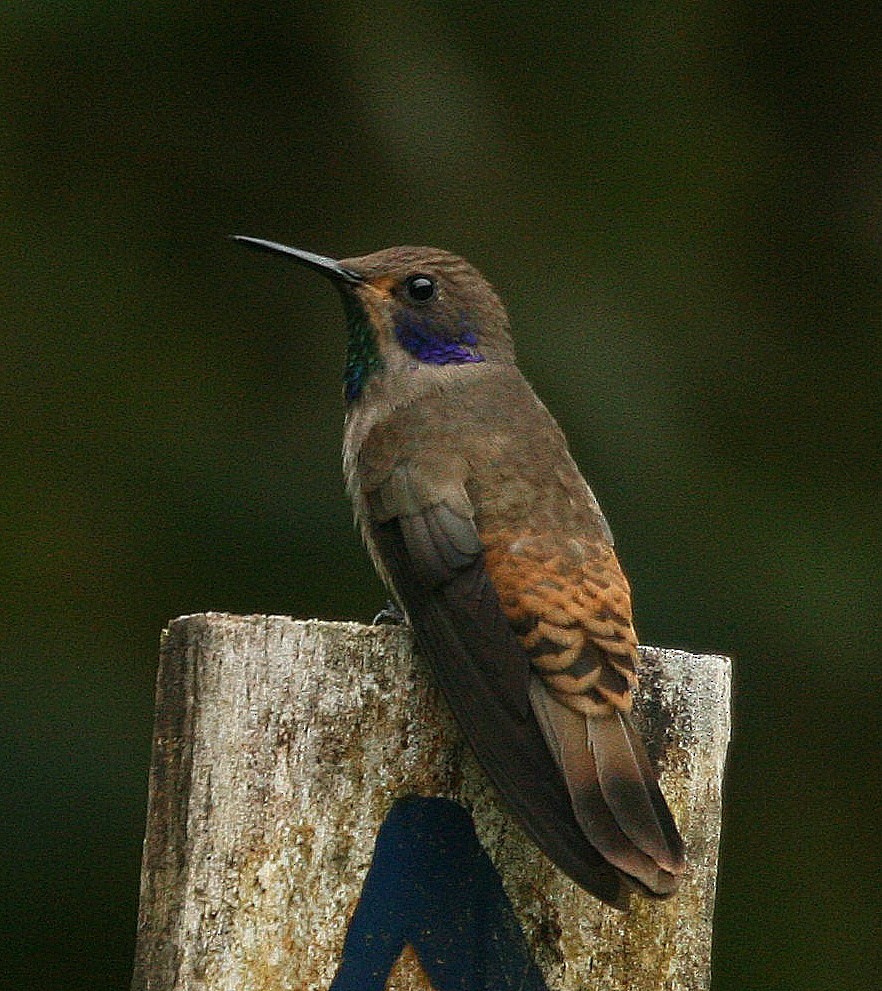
[363, 356]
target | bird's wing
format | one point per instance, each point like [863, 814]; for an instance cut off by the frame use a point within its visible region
[570, 603]
[428, 546]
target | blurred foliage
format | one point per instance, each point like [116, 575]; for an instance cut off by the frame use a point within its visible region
[682, 206]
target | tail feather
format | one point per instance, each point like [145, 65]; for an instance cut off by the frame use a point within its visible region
[613, 791]
[631, 791]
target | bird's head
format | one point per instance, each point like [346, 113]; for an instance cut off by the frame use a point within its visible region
[415, 316]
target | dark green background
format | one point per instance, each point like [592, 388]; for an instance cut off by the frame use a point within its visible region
[681, 204]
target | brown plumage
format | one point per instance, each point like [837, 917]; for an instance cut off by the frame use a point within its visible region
[479, 521]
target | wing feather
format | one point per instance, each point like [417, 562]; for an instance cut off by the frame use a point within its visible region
[484, 675]
[488, 611]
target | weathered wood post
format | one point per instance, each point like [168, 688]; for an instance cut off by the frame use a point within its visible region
[279, 747]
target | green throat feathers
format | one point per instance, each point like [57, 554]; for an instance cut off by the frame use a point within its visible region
[362, 354]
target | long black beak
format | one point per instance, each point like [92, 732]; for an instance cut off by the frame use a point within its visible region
[327, 266]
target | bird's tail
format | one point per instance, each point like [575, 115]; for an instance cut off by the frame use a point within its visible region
[614, 793]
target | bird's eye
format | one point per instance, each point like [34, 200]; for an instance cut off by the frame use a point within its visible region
[420, 288]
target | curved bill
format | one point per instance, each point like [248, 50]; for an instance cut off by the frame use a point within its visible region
[319, 263]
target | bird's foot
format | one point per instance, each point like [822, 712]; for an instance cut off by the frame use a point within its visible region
[390, 615]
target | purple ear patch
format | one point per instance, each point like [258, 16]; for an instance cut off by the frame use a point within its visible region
[430, 341]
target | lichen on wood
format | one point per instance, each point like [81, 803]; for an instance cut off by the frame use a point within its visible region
[280, 746]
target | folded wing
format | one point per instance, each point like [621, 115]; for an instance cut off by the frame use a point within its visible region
[581, 788]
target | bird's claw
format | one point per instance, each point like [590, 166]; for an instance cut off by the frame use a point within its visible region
[389, 615]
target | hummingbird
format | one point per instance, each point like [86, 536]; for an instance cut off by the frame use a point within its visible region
[496, 551]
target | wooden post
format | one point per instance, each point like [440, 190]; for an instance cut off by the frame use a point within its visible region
[279, 747]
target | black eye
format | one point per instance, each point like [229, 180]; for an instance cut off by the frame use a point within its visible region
[420, 288]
